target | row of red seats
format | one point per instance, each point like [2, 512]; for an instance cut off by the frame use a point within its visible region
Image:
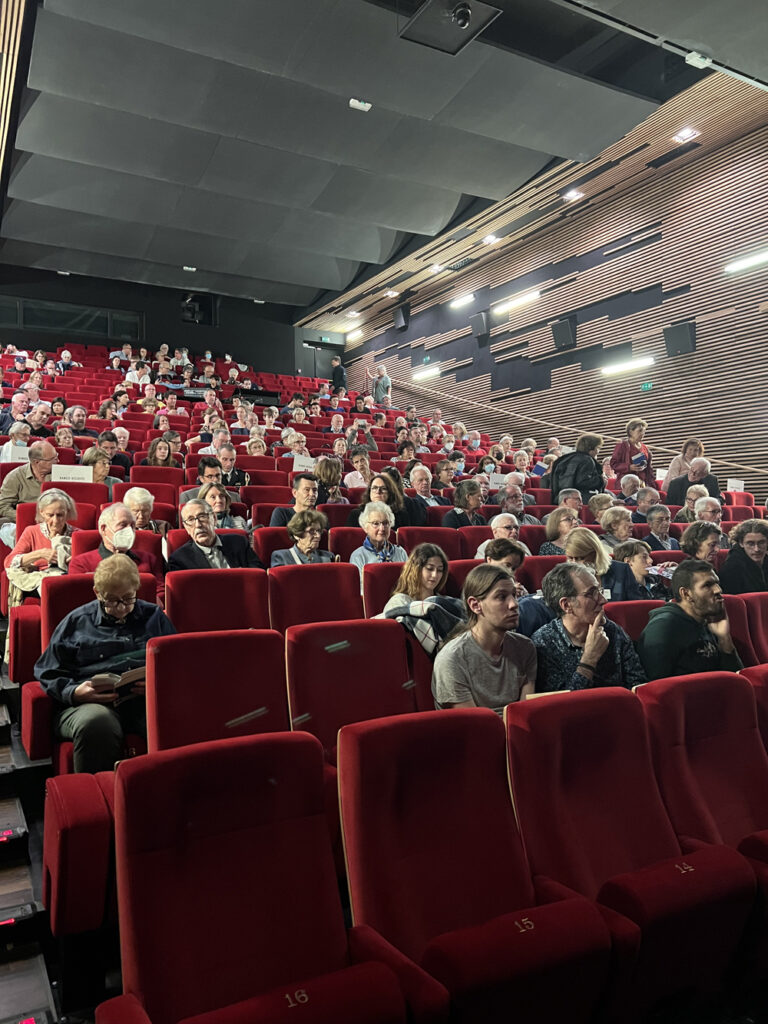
[576, 913]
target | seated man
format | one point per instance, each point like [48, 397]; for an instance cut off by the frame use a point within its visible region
[304, 488]
[108, 443]
[17, 411]
[24, 484]
[337, 425]
[488, 665]
[645, 497]
[76, 416]
[475, 440]
[658, 518]
[231, 476]
[709, 510]
[117, 527]
[109, 634]
[514, 480]
[570, 497]
[698, 473]
[504, 526]
[207, 549]
[745, 570]
[630, 485]
[581, 649]
[209, 471]
[421, 481]
[692, 632]
[218, 438]
[417, 439]
[511, 499]
[37, 417]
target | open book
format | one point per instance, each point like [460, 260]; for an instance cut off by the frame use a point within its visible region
[122, 684]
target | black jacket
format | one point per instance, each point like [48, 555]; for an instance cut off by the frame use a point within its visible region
[740, 575]
[338, 378]
[236, 549]
[237, 478]
[677, 489]
[579, 470]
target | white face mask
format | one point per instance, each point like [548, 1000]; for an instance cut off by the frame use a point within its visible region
[123, 539]
[448, 446]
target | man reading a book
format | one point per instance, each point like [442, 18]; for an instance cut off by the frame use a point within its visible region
[91, 668]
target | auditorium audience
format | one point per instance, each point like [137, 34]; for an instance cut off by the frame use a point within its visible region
[630, 484]
[159, 454]
[231, 476]
[43, 549]
[488, 664]
[637, 555]
[207, 549]
[107, 441]
[421, 481]
[377, 519]
[504, 526]
[328, 473]
[467, 499]
[615, 578]
[659, 539]
[692, 632]
[509, 554]
[679, 466]
[598, 503]
[386, 488]
[617, 525]
[360, 476]
[570, 498]
[107, 635]
[745, 570]
[709, 510]
[559, 525]
[632, 455]
[99, 462]
[305, 530]
[16, 448]
[24, 484]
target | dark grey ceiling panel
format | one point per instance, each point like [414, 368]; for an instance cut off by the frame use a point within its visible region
[29, 254]
[28, 222]
[734, 33]
[96, 135]
[340, 236]
[555, 112]
[402, 205]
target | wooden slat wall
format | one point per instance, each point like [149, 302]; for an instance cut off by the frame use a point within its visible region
[11, 18]
[711, 211]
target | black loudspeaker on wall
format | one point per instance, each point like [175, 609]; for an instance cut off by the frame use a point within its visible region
[403, 316]
[564, 333]
[481, 326]
[680, 338]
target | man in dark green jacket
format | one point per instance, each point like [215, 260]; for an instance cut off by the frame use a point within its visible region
[691, 634]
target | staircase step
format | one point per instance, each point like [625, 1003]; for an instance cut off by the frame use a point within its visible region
[5, 724]
[14, 836]
[25, 992]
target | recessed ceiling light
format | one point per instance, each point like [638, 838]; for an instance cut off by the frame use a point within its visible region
[190, 270]
[515, 301]
[391, 293]
[573, 195]
[463, 300]
[353, 313]
[360, 105]
[260, 302]
[427, 372]
[628, 366]
[436, 268]
[686, 135]
[757, 260]
[490, 239]
[354, 335]
[64, 273]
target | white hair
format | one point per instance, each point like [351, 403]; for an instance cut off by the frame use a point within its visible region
[515, 478]
[376, 506]
[422, 469]
[701, 504]
[701, 462]
[630, 478]
[496, 521]
[108, 514]
[139, 496]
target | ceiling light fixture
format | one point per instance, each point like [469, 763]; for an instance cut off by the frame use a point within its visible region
[353, 313]
[360, 105]
[686, 135]
[190, 270]
[427, 372]
[490, 239]
[631, 364]
[573, 195]
[64, 273]
[517, 300]
[259, 302]
[391, 293]
[436, 268]
[757, 260]
[354, 335]
[463, 300]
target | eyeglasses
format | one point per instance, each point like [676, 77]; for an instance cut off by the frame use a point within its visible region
[204, 517]
[756, 543]
[593, 594]
[379, 490]
[118, 602]
[313, 531]
[377, 522]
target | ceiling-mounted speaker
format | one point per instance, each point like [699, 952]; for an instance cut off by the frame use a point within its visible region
[564, 333]
[481, 326]
[680, 338]
[403, 316]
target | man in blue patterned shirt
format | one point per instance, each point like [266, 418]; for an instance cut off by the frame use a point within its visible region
[580, 648]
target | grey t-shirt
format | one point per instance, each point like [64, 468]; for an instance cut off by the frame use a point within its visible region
[381, 387]
[463, 672]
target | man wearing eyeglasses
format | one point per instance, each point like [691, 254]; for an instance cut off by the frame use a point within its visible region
[207, 549]
[105, 636]
[24, 484]
[580, 648]
[117, 527]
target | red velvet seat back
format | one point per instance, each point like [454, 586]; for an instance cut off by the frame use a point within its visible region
[343, 540]
[200, 601]
[269, 539]
[429, 830]
[162, 491]
[156, 474]
[334, 680]
[737, 616]
[226, 882]
[458, 570]
[632, 616]
[27, 510]
[89, 540]
[279, 494]
[757, 619]
[584, 789]
[409, 537]
[471, 537]
[708, 755]
[533, 537]
[89, 494]
[534, 569]
[324, 592]
[379, 579]
[191, 700]
[59, 595]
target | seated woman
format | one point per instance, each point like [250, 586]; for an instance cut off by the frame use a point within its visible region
[140, 501]
[328, 473]
[521, 461]
[361, 474]
[42, 549]
[377, 519]
[107, 410]
[559, 525]
[608, 470]
[161, 422]
[459, 432]
[423, 576]
[64, 438]
[159, 454]
[692, 449]
[299, 416]
[467, 499]
[489, 464]
[99, 460]
[598, 503]
[647, 586]
[220, 500]
[510, 553]
[255, 446]
[387, 490]
[617, 524]
[702, 541]
[687, 513]
[15, 448]
[240, 426]
[297, 443]
[305, 530]
[58, 406]
[745, 570]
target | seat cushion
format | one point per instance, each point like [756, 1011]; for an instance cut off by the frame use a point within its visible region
[549, 961]
[364, 994]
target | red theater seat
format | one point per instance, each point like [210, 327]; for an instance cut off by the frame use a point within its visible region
[27, 510]
[379, 580]
[343, 540]
[313, 593]
[606, 835]
[471, 537]
[737, 616]
[89, 494]
[535, 568]
[533, 537]
[336, 515]
[212, 599]
[274, 493]
[191, 825]
[421, 794]
[758, 677]
[632, 616]
[188, 699]
[156, 474]
[269, 539]
[411, 536]
[166, 493]
[458, 570]
[757, 619]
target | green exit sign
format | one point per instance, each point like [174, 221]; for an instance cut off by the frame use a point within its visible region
[647, 385]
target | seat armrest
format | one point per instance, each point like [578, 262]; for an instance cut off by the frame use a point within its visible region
[37, 711]
[122, 1010]
[428, 1000]
[690, 845]
[549, 891]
